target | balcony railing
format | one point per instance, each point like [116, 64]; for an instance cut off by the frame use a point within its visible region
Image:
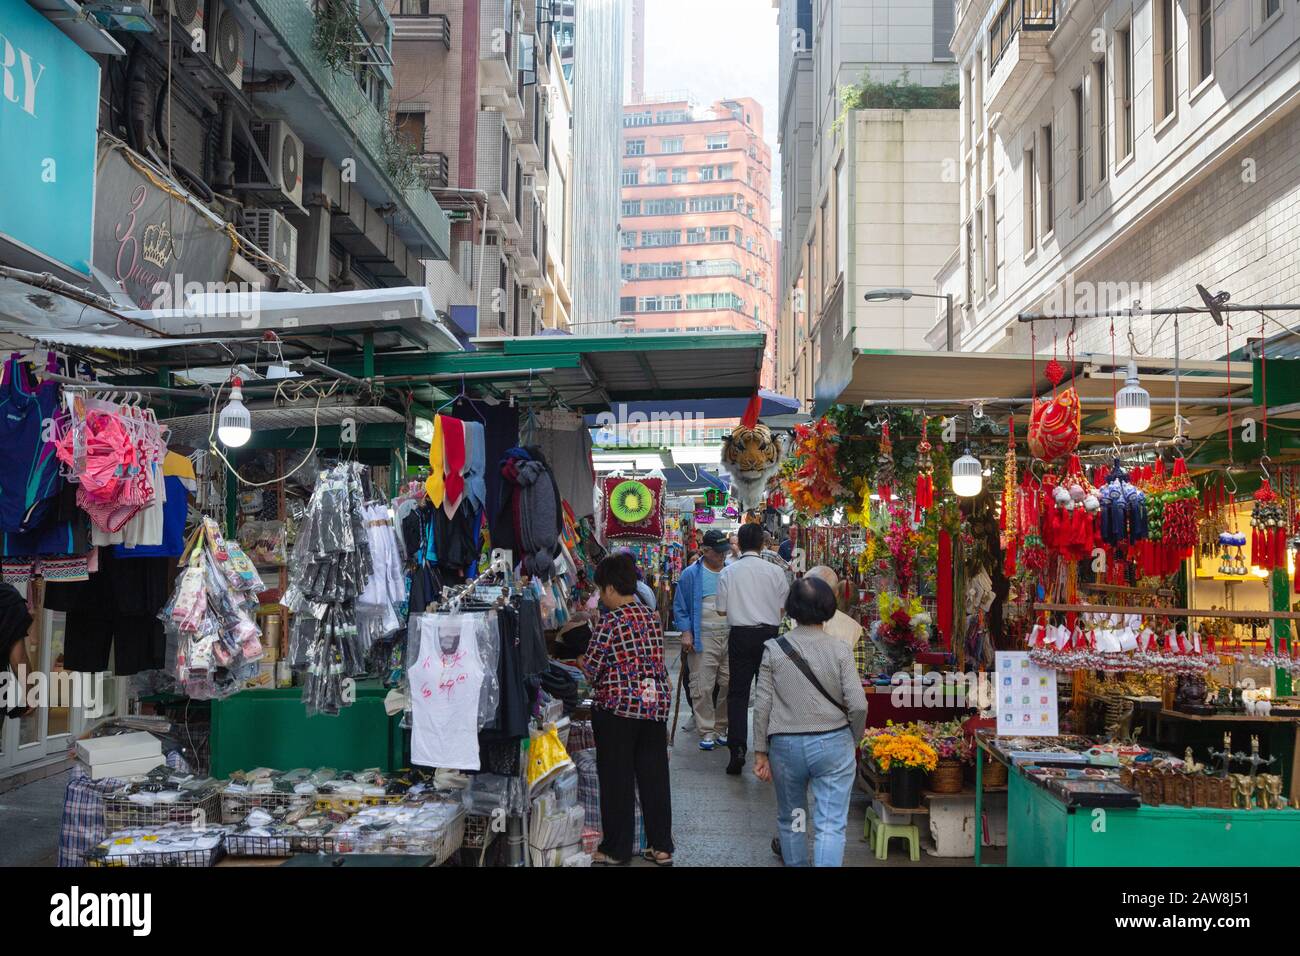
[416, 23]
[1014, 16]
[435, 169]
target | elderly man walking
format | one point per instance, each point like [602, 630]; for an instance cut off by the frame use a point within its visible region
[751, 593]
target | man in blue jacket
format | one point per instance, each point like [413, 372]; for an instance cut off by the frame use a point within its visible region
[704, 637]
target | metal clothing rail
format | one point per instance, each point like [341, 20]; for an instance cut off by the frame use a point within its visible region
[202, 390]
[1170, 612]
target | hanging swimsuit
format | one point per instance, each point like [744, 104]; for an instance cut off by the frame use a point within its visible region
[29, 469]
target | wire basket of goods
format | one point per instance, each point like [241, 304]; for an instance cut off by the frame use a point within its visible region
[177, 845]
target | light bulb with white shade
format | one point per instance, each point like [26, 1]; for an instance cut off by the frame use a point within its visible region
[1132, 404]
[235, 424]
[967, 476]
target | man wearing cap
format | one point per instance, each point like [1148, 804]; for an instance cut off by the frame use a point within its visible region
[704, 637]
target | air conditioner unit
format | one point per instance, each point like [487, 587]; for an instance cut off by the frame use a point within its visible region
[273, 234]
[282, 150]
[187, 14]
[225, 41]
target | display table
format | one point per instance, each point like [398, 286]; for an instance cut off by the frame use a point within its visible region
[1043, 831]
[270, 728]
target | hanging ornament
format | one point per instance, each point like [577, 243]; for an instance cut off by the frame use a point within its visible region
[1054, 425]
[1054, 372]
[1268, 529]
[924, 473]
[885, 466]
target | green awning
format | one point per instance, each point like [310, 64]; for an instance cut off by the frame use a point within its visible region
[590, 372]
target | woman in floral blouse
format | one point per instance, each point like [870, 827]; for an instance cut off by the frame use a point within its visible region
[629, 718]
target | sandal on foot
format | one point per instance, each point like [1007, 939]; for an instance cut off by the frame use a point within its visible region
[654, 857]
[600, 859]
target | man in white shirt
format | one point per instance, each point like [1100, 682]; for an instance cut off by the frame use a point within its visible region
[751, 593]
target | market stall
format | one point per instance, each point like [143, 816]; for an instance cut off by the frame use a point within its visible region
[280, 544]
[1122, 528]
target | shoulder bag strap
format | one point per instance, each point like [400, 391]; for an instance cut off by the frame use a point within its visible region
[798, 660]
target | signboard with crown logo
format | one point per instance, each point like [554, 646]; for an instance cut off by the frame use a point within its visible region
[49, 110]
[150, 240]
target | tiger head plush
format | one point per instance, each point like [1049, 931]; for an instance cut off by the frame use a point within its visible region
[751, 457]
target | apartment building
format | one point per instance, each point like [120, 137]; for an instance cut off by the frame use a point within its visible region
[593, 30]
[697, 246]
[1119, 153]
[869, 193]
[475, 87]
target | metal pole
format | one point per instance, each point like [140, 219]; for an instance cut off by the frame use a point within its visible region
[1177, 310]
[200, 392]
[310, 362]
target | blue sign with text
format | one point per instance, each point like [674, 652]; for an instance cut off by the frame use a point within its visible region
[49, 101]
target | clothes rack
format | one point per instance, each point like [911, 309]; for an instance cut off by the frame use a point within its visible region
[1169, 611]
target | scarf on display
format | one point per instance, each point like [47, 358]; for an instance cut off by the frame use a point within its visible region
[453, 438]
[475, 465]
[434, 486]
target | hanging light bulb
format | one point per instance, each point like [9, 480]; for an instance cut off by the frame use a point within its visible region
[235, 424]
[967, 476]
[1132, 404]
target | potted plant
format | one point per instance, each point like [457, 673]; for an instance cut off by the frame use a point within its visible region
[953, 751]
[906, 758]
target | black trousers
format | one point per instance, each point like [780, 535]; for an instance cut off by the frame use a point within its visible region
[744, 655]
[631, 758]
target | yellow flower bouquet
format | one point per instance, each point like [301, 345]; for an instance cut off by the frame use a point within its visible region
[903, 750]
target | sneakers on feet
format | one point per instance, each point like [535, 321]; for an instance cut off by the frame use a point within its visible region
[721, 740]
[706, 743]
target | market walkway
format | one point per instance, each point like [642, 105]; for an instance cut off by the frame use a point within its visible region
[730, 821]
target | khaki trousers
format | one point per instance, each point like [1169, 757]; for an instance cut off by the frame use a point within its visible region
[708, 667]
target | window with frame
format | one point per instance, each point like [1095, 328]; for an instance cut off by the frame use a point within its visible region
[626, 304]
[661, 237]
[659, 303]
[1047, 165]
[1080, 138]
[629, 240]
[706, 174]
[635, 147]
[696, 235]
[1164, 48]
[679, 174]
[724, 170]
[712, 203]
[671, 145]
[1203, 45]
[1124, 92]
[664, 207]
[716, 141]
[719, 234]
[631, 207]
[661, 177]
[1271, 7]
[1099, 122]
[979, 251]
[991, 260]
[627, 270]
[631, 176]
[659, 270]
[637, 119]
[1029, 185]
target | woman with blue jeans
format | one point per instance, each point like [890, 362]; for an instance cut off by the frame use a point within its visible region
[809, 713]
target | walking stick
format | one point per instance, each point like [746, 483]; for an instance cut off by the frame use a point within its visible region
[677, 704]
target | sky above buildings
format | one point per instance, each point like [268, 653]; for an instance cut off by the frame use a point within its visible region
[715, 49]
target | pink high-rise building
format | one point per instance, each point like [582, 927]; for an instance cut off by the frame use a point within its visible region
[697, 244]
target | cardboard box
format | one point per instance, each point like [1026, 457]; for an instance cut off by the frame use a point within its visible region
[103, 750]
[122, 769]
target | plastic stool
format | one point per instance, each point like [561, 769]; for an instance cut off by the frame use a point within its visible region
[869, 823]
[888, 831]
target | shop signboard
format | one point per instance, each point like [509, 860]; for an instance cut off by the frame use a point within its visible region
[150, 240]
[49, 110]
[1026, 697]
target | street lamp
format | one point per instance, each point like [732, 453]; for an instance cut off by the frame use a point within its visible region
[902, 295]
